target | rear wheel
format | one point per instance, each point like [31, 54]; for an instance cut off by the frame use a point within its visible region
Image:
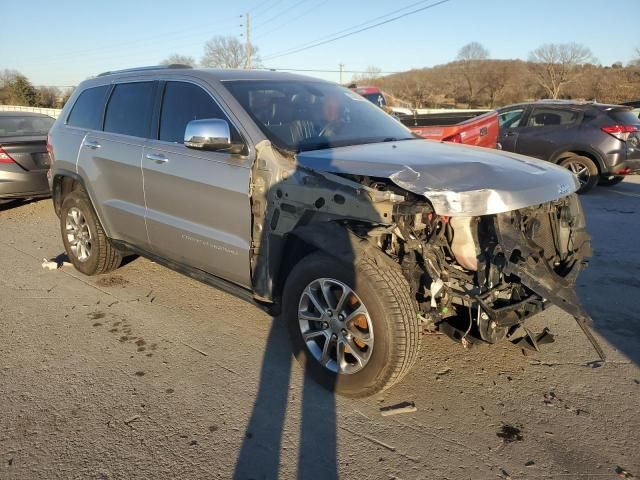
[585, 169]
[353, 327]
[610, 180]
[87, 246]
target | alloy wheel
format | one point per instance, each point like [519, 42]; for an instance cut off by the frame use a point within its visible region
[335, 326]
[78, 234]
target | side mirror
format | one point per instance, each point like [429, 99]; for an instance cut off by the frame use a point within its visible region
[210, 134]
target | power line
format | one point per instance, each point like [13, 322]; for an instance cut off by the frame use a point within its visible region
[278, 15]
[364, 29]
[288, 22]
[358, 25]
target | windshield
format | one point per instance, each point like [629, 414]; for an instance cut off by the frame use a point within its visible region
[21, 125]
[307, 115]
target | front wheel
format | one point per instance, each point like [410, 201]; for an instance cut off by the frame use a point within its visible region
[585, 169]
[610, 180]
[354, 327]
[87, 246]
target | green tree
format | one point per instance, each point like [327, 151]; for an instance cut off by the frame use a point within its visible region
[21, 92]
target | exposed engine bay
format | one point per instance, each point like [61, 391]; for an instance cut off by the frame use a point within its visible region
[478, 268]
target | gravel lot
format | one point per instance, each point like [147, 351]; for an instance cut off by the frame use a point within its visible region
[145, 373]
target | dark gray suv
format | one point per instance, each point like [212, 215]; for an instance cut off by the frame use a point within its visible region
[304, 197]
[599, 143]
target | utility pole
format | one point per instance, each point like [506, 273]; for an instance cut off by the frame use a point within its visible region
[341, 68]
[248, 41]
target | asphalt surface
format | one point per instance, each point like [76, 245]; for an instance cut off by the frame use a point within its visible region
[145, 373]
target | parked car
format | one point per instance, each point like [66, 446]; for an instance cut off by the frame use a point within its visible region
[599, 143]
[301, 196]
[478, 128]
[24, 160]
[471, 127]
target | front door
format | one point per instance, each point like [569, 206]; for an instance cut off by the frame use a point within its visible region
[509, 121]
[198, 209]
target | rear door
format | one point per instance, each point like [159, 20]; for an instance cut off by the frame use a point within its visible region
[546, 129]
[111, 161]
[510, 122]
[198, 210]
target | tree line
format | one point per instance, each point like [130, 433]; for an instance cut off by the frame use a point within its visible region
[16, 89]
[473, 79]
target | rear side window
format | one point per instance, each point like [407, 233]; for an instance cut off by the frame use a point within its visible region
[545, 117]
[624, 117]
[130, 108]
[184, 102]
[87, 111]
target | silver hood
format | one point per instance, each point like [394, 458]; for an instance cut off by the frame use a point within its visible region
[458, 180]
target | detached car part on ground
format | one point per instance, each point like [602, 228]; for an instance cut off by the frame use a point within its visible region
[24, 160]
[360, 233]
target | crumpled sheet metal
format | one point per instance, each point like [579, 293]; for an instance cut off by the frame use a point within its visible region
[457, 180]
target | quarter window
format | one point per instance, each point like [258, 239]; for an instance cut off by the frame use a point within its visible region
[182, 103]
[545, 117]
[87, 111]
[130, 108]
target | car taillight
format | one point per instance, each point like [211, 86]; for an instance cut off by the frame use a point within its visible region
[457, 138]
[5, 157]
[621, 132]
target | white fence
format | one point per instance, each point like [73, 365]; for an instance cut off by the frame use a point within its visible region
[52, 112]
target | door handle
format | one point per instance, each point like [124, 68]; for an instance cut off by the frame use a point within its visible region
[156, 157]
[510, 134]
[93, 144]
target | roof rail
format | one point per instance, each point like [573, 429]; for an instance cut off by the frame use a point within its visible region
[144, 69]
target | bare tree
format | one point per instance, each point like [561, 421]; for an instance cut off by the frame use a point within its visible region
[473, 51]
[370, 73]
[471, 57]
[555, 65]
[49, 97]
[228, 52]
[176, 58]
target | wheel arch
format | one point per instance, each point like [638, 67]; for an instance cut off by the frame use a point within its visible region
[334, 238]
[64, 182]
[581, 151]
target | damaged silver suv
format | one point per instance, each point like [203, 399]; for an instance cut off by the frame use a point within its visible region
[303, 197]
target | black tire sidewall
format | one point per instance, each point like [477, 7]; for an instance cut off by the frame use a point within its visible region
[78, 200]
[379, 368]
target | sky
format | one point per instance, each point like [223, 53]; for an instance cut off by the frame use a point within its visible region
[70, 40]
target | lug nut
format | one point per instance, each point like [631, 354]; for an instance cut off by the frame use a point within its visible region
[325, 325]
[330, 313]
[341, 317]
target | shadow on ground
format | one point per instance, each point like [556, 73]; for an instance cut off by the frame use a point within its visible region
[610, 286]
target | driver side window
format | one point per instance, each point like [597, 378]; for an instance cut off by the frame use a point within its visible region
[510, 119]
[183, 102]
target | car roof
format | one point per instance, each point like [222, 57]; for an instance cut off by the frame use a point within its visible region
[219, 74]
[16, 113]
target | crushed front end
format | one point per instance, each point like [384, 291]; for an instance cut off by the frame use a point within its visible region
[485, 275]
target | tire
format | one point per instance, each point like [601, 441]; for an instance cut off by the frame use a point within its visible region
[98, 255]
[610, 180]
[379, 285]
[585, 169]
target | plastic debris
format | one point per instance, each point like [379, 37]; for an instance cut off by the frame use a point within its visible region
[398, 408]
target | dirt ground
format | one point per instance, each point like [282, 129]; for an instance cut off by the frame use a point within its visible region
[147, 374]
